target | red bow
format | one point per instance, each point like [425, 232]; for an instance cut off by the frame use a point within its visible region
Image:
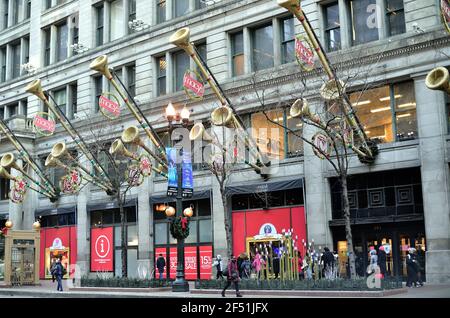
[183, 223]
[4, 231]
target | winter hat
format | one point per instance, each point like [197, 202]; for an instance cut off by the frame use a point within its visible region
[381, 248]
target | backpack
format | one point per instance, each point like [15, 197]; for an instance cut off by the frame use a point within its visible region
[64, 270]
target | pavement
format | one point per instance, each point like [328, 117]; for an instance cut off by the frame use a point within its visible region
[47, 289]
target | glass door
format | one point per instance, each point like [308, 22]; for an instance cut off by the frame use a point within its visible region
[375, 241]
[405, 244]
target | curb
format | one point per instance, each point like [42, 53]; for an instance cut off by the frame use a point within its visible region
[309, 293]
[120, 290]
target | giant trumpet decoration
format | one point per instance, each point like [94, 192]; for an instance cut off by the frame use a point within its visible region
[438, 79]
[43, 185]
[224, 115]
[334, 88]
[35, 88]
[100, 64]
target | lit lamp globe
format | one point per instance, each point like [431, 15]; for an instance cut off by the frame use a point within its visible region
[36, 226]
[8, 224]
[188, 212]
[170, 211]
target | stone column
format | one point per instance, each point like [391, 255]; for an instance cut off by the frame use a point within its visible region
[432, 128]
[218, 219]
[83, 231]
[317, 190]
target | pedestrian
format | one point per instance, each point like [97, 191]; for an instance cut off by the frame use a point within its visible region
[52, 267]
[382, 261]
[160, 264]
[307, 266]
[276, 263]
[58, 271]
[373, 265]
[411, 269]
[240, 259]
[246, 268]
[420, 258]
[232, 274]
[328, 263]
[257, 264]
[219, 266]
[419, 282]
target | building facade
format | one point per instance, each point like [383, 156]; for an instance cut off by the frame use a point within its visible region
[402, 200]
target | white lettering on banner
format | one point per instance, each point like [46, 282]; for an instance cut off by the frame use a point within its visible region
[190, 83]
[109, 105]
[44, 124]
[303, 53]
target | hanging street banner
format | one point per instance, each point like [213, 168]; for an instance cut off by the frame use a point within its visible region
[445, 11]
[187, 180]
[172, 178]
[102, 248]
[323, 143]
[109, 105]
[304, 53]
[45, 127]
[71, 182]
[192, 87]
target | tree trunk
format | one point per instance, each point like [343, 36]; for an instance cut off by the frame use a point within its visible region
[227, 221]
[123, 238]
[348, 229]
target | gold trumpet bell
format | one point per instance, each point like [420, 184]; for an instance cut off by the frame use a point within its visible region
[9, 161]
[118, 148]
[50, 161]
[199, 132]
[59, 150]
[5, 174]
[131, 135]
[181, 39]
[100, 64]
[289, 4]
[35, 88]
[332, 89]
[223, 116]
[296, 109]
[438, 79]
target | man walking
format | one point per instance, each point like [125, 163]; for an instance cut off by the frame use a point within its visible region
[160, 264]
[232, 274]
[58, 271]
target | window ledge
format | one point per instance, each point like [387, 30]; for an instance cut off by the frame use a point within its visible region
[12, 28]
[55, 8]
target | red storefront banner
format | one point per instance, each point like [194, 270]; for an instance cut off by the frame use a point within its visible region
[205, 262]
[190, 262]
[58, 243]
[102, 250]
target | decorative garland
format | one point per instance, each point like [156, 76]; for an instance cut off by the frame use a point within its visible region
[179, 228]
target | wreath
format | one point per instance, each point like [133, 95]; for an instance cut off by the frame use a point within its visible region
[179, 228]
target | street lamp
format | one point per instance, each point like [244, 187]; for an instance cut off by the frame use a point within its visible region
[178, 120]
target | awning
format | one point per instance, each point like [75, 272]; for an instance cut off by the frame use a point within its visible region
[198, 195]
[55, 211]
[260, 187]
[110, 205]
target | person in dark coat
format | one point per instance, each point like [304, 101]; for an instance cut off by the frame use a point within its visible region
[232, 274]
[160, 264]
[58, 271]
[411, 269]
[382, 261]
[328, 261]
[276, 264]
[419, 282]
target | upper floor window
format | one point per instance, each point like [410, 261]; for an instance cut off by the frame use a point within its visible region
[28, 9]
[131, 11]
[5, 7]
[160, 11]
[52, 3]
[237, 49]
[62, 37]
[47, 44]
[262, 48]
[99, 25]
[332, 27]
[181, 7]
[395, 17]
[117, 20]
[181, 62]
[16, 59]
[387, 113]
[3, 64]
[131, 79]
[65, 98]
[161, 66]
[364, 21]
[98, 89]
[288, 40]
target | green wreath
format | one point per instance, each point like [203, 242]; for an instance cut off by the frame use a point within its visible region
[176, 228]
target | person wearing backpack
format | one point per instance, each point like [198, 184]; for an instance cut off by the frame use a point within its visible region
[58, 271]
[232, 274]
[52, 269]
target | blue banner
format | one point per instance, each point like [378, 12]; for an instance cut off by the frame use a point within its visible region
[172, 177]
[187, 180]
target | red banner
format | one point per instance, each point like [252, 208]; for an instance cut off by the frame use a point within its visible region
[102, 249]
[303, 53]
[44, 124]
[190, 261]
[109, 105]
[193, 85]
[205, 262]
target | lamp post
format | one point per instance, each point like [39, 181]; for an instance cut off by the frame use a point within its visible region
[178, 120]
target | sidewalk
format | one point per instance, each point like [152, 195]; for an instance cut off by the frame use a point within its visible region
[48, 289]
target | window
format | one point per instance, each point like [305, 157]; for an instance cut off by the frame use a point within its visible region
[3, 64]
[98, 89]
[117, 20]
[364, 21]
[48, 4]
[47, 44]
[73, 99]
[28, 10]
[16, 60]
[60, 99]
[181, 60]
[26, 43]
[131, 79]
[262, 44]
[200, 4]
[332, 27]
[99, 29]
[294, 133]
[4, 188]
[395, 16]
[181, 7]
[16, 8]
[23, 109]
[268, 135]
[387, 113]
[288, 40]
[131, 12]
[61, 42]
[75, 31]
[160, 11]
[161, 65]
[237, 48]
[12, 109]
[5, 13]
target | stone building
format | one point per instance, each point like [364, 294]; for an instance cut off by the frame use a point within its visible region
[403, 200]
